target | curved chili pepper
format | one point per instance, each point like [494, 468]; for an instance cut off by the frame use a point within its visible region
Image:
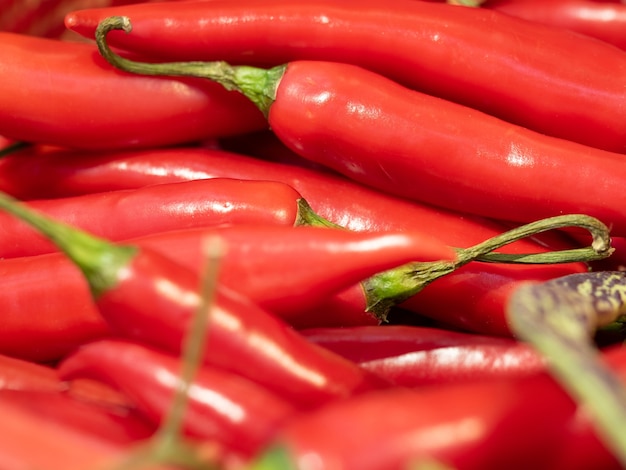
[427, 148]
[37, 442]
[119, 425]
[244, 338]
[527, 73]
[117, 215]
[411, 356]
[602, 20]
[222, 407]
[290, 272]
[62, 316]
[58, 93]
[516, 423]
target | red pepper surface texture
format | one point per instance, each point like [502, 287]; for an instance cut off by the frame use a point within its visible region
[547, 79]
[123, 214]
[480, 290]
[223, 407]
[428, 149]
[518, 423]
[62, 93]
[43, 320]
[599, 19]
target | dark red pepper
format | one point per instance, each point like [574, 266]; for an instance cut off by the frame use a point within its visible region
[412, 356]
[59, 93]
[547, 79]
[517, 423]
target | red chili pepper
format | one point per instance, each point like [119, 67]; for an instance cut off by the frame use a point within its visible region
[425, 149]
[411, 356]
[517, 423]
[59, 93]
[289, 271]
[222, 407]
[244, 338]
[118, 215]
[527, 73]
[37, 442]
[472, 298]
[118, 425]
[602, 20]
[61, 315]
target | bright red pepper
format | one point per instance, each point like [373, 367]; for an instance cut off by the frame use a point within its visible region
[425, 149]
[222, 407]
[547, 79]
[471, 298]
[518, 423]
[123, 426]
[411, 356]
[59, 93]
[38, 442]
[602, 20]
[123, 214]
[244, 338]
[62, 315]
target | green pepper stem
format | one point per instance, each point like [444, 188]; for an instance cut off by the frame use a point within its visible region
[257, 84]
[98, 259]
[393, 287]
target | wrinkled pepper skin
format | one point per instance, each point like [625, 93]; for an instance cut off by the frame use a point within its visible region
[548, 79]
[63, 93]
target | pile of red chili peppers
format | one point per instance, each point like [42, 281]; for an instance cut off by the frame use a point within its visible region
[312, 235]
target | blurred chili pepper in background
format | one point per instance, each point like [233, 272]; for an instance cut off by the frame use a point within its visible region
[60, 93]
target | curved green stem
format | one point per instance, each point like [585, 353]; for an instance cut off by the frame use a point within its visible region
[393, 287]
[559, 318]
[258, 85]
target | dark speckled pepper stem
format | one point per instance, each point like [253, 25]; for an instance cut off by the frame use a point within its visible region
[559, 318]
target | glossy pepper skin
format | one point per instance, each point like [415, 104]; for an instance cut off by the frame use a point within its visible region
[44, 321]
[123, 214]
[59, 93]
[602, 20]
[428, 149]
[244, 338]
[320, 262]
[480, 290]
[223, 407]
[412, 356]
[522, 72]
[518, 423]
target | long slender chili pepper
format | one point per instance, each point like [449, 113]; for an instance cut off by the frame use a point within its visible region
[58, 93]
[45, 320]
[412, 356]
[516, 423]
[244, 338]
[125, 214]
[602, 20]
[414, 145]
[222, 407]
[527, 73]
